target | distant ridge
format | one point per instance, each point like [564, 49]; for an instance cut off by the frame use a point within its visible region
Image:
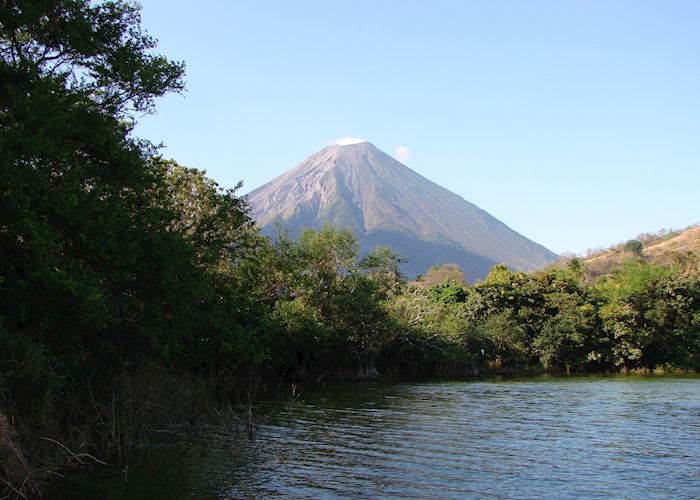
[680, 248]
[384, 202]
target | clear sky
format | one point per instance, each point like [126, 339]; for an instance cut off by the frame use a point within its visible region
[577, 123]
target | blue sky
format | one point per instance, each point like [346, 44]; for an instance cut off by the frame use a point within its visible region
[577, 123]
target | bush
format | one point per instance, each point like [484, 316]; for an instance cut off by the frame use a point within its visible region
[633, 246]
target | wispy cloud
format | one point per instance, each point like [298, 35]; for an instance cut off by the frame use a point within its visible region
[402, 153]
[346, 141]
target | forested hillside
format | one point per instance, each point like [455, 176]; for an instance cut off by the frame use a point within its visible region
[679, 248]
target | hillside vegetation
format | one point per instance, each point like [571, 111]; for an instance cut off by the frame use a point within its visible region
[679, 248]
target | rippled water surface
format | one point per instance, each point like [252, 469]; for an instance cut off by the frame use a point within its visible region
[578, 437]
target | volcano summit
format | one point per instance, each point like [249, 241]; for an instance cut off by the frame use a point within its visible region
[384, 202]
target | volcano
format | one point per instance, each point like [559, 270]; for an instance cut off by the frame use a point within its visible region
[384, 202]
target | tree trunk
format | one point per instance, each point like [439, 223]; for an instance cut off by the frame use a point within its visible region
[366, 369]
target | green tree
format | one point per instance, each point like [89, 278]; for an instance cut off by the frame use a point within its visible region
[97, 51]
[110, 262]
[382, 266]
[505, 340]
[633, 246]
[86, 268]
[328, 255]
[445, 274]
[499, 274]
[652, 312]
[214, 220]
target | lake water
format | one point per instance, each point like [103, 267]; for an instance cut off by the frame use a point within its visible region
[545, 437]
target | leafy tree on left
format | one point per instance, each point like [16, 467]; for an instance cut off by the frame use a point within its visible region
[97, 271]
[97, 51]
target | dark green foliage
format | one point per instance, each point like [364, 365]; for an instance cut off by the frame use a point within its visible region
[104, 266]
[640, 317]
[329, 304]
[94, 50]
[634, 247]
[653, 314]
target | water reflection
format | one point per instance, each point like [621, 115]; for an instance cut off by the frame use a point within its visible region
[571, 437]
